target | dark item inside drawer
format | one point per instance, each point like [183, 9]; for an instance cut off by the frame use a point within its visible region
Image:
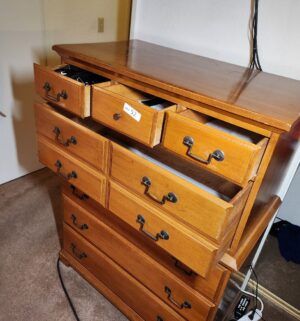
[80, 75]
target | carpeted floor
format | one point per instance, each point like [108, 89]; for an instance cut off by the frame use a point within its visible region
[30, 225]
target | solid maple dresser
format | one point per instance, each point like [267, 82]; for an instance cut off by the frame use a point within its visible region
[171, 163]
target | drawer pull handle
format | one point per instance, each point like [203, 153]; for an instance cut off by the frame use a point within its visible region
[81, 196]
[171, 197]
[68, 176]
[63, 94]
[184, 305]
[218, 155]
[161, 235]
[68, 142]
[79, 255]
[74, 221]
[117, 116]
[181, 267]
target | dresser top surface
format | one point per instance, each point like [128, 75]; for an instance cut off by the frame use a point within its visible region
[265, 98]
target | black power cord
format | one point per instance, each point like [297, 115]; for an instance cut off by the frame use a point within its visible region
[255, 63]
[65, 290]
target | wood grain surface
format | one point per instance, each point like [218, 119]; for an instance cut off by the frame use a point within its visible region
[263, 97]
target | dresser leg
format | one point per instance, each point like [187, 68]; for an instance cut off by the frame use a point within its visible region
[63, 259]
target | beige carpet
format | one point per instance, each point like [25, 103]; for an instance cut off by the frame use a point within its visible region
[30, 222]
[29, 285]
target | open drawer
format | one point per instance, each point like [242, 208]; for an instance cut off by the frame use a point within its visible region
[72, 170]
[209, 205]
[130, 112]
[76, 136]
[222, 148]
[67, 86]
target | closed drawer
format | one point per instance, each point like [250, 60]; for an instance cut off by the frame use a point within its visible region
[211, 286]
[71, 136]
[199, 207]
[121, 108]
[72, 170]
[191, 249]
[219, 147]
[131, 291]
[186, 301]
[67, 86]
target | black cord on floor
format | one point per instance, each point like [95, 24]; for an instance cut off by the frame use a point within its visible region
[65, 291]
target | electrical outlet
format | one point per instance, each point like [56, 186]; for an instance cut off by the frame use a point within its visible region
[101, 24]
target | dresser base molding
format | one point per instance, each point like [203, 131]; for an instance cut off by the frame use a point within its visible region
[68, 260]
[258, 222]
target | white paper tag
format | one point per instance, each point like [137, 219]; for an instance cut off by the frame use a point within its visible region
[132, 112]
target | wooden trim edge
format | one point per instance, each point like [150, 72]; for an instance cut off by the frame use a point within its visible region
[270, 296]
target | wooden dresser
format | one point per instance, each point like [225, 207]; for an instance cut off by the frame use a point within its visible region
[171, 163]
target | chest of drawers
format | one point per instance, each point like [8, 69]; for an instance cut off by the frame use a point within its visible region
[170, 165]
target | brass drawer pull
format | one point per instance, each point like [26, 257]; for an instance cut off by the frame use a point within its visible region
[68, 176]
[63, 94]
[81, 196]
[74, 221]
[81, 255]
[117, 116]
[182, 267]
[161, 235]
[171, 197]
[184, 305]
[71, 140]
[218, 155]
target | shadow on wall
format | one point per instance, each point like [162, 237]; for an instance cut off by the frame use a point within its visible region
[23, 91]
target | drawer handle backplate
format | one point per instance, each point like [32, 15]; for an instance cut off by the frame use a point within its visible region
[184, 305]
[79, 226]
[68, 142]
[170, 197]
[181, 267]
[161, 235]
[117, 116]
[63, 94]
[79, 255]
[67, 176]
[218, 155]
[75, 192]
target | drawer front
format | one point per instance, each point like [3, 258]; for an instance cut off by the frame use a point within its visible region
[72, 170]
[72, 137]
[62, 91]
[127, 116]
[132, 292]
[173, 237]
[193, 206]
[196, 142]
[211, 286]
[186, 301]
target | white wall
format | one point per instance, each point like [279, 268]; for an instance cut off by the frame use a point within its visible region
[21, 40]
[28, 29]
[220, 29]
[69, 21]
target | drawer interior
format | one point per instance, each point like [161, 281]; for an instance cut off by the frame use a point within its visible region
[83, 76]
[222, 126]
[144, 99]
[207, 181]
